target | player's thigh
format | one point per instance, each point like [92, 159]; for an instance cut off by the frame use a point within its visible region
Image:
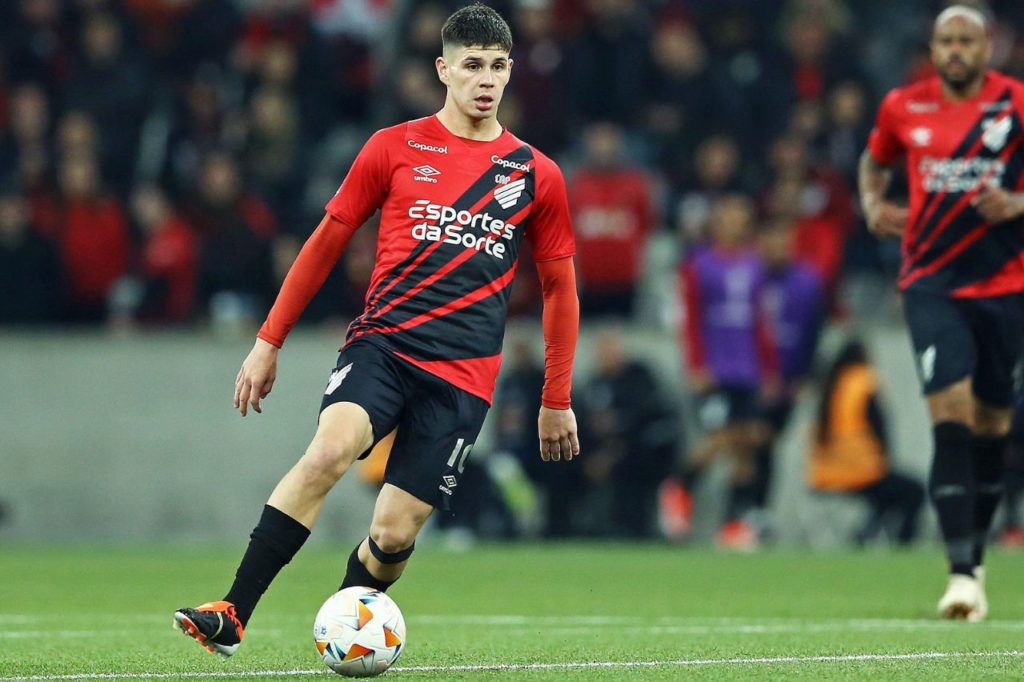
[363, 400]
[435, 437]
[998, 326]
[944, 347]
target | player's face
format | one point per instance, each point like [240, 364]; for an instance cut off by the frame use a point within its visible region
[476, 78]
[960, 51]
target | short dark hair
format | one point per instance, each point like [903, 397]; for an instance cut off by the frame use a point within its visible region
[476, 24]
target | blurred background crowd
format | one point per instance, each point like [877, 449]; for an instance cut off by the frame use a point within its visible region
[161, 162]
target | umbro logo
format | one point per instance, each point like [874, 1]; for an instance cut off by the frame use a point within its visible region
[450, 481]
[426, 174]
[508, 195]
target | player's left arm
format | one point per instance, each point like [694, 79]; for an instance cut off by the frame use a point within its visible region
[556, 424]
[550, 232]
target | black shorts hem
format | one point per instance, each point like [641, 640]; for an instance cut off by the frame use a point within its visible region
[412, 490]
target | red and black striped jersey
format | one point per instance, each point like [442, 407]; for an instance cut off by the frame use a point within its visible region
[453, 214]
[953, 150]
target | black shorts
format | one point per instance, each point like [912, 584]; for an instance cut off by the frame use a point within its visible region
[437, 422]
[956, 338]
[727, 405]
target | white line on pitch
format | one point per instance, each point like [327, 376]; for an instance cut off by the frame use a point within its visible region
[780, 660]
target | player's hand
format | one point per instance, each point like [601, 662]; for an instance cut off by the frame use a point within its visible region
[886, 219]
[557, 430]
[996, 205]
[256, 377]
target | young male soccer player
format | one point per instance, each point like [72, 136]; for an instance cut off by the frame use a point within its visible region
[962, 273]
[457, 193]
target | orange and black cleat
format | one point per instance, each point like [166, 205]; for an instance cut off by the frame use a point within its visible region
[214, 625]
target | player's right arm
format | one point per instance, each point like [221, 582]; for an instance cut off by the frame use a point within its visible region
[361, 194]
[884, 218]
[305, 277]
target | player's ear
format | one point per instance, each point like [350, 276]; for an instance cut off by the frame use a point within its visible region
[442, 70]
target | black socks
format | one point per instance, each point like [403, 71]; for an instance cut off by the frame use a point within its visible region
[273, 543]
[989, 464]
[358, 574]
[952, 488]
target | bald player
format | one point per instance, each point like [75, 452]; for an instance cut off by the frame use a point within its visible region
[962, 273]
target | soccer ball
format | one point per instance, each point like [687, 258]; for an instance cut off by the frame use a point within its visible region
[359, 632]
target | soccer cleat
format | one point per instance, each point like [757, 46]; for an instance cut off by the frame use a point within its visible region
[738, 535]
[1012, 538]
[675, 510]
[214, 625]
[980, 613]
[962, 598]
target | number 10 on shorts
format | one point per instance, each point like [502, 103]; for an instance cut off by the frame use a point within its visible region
[460, 453]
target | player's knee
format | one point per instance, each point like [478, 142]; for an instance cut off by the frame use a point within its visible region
[952, 405]
[393, 535]
[991, 422]
[326, 460]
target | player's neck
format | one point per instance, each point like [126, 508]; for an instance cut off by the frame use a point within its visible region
[460, 125]
[967, 92]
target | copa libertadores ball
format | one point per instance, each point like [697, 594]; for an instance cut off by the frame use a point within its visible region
[359, 632]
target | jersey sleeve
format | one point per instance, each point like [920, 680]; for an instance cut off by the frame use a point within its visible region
[550, 230]
[366, 185]
[884, 142]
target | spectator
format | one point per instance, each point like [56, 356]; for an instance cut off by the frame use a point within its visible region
[235, 229]
[30, 275]
[732, 359]
[682, 98]
[716, 171]
[850, 453]
[795, 307]
[816, 198]
[113, 86]
[25, 147]
[91, 231]
[37, 44]
[273, 154]
[605, 61]
[612, 216]
[202, 124]
[632, 435]
[1012, 534]
[540, 75]
[516, 404]
[165, 277]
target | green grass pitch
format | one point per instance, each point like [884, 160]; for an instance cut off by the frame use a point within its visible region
[565, 612]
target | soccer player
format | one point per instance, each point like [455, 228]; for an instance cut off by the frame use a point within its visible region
[962, 273]
[457, 194]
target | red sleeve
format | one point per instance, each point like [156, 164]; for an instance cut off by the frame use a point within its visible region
[550, 230]
[693, 340]
[561, 320]
[305, 277]
[884, 142]
[366, 185]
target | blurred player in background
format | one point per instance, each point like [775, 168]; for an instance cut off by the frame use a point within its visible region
[457, 194]
[732, 359]
[962, 273]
